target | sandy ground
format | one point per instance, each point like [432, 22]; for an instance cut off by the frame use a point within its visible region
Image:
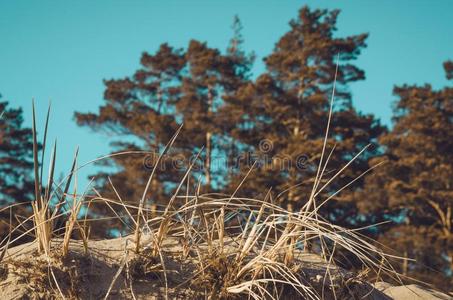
[25, 274]
[412, 292]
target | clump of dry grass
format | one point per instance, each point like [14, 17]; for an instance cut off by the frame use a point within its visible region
[258, 258]
[45, 209]
[229, 247]
[264, 258]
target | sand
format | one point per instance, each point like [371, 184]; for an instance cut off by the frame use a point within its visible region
[25, 274]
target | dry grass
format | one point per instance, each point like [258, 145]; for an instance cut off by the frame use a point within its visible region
[231, 247]
[50, 204]
[259, 257]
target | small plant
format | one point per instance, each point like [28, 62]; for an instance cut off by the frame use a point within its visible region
[44, 211]
[73, 221]
[140, 215]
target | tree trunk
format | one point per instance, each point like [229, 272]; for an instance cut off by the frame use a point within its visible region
[405, 264]
[208, 160]
[208, 142]
[296, 128]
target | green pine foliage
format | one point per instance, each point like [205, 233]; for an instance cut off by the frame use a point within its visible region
[16, 165]
[416, 182]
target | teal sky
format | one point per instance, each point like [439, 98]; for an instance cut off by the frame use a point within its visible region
[61, 50]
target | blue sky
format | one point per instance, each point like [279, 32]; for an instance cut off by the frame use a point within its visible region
[61, 50]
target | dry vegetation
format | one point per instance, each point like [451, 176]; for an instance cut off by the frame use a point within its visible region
[199, 246]
[204, 249]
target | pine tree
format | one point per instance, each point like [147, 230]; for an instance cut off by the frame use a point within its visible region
[16, 164]
[285, 112]
[231, 111]
[139, 111]
[448, 66]
[415, 187]
[173, 87]
[202, 89]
